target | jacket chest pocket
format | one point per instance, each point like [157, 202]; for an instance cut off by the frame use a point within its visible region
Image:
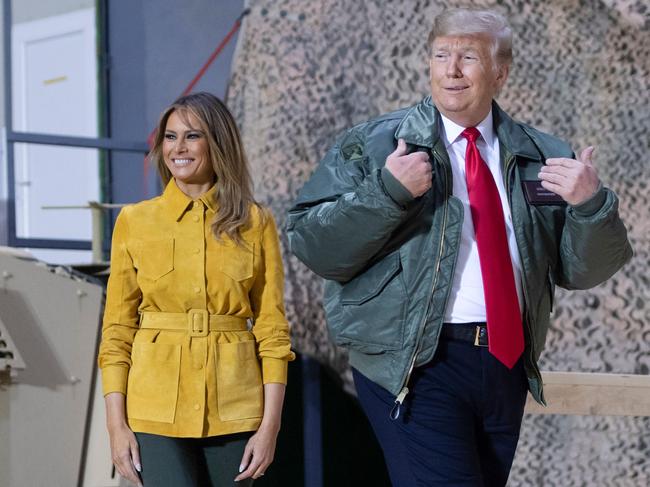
[239, 381]
[155, 258]
[236, 261]
[152, 389]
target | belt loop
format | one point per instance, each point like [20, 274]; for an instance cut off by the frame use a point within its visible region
[198, 323]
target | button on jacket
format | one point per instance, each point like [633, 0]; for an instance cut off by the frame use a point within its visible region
[175, 338]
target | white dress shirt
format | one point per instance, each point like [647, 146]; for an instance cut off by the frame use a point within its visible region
[467, 300]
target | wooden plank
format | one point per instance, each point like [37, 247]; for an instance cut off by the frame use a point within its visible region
[593, 394]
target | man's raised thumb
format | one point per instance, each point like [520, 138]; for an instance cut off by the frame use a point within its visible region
[401, 148]
[585, 155]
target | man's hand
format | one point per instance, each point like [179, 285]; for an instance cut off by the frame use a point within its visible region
[574, 180]
[412, 170]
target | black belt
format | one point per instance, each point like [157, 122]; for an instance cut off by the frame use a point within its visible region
[475, 333]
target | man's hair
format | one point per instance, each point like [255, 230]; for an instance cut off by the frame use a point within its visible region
[471, 21]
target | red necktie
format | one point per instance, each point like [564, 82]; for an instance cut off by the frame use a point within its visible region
[505, 330]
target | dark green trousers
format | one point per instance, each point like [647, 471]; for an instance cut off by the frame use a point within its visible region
[192, 462]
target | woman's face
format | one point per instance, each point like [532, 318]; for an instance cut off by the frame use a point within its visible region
[186, 153]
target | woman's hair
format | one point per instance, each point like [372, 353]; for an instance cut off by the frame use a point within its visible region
[470, 21]
[234, 188]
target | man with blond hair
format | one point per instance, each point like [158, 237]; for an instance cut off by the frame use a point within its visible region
[442, 231]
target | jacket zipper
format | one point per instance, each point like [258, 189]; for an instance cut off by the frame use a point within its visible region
[399, 400]
[524, 283]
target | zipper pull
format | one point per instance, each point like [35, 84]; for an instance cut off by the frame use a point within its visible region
[394, 413]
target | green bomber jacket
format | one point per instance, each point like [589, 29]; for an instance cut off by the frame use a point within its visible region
[389, 259]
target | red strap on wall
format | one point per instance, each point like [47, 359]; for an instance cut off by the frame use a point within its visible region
[224, 42]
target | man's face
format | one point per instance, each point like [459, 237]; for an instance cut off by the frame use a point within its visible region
[464, 77]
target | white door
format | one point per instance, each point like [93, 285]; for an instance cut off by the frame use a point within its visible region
[55, 92]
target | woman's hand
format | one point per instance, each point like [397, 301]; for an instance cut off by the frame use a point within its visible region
[125, 452]
[258, 454]
[260, 449]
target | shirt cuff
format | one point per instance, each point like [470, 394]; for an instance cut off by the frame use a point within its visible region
[274, 370]
[593, 204]
[396, 190]
[114, 379]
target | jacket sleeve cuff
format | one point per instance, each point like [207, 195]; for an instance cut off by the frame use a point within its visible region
[592, 205]
[396, 190]
[274, 370]
[114, 379]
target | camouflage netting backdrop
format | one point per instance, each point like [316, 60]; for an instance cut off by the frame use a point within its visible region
[306, 70]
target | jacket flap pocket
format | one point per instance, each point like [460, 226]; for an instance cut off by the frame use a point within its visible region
[155, 258]
[237, 261]
[370, 282]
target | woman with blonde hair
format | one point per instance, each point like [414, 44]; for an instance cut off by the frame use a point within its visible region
[195, 343]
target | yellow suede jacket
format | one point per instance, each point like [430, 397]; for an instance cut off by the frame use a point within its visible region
[189, 319]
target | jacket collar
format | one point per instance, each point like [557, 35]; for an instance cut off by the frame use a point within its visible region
[178, 202]
[421, 126]
[512, 135]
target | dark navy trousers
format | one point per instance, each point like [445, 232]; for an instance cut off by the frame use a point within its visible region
[459, 424]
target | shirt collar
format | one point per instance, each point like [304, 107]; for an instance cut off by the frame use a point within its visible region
[209, 198]
[179, 202]
[452, 130]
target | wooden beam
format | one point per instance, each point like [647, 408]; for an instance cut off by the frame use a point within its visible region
[593, 394]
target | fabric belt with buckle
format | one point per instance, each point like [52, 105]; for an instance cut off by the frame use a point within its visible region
[196, 322]
[475, 333]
